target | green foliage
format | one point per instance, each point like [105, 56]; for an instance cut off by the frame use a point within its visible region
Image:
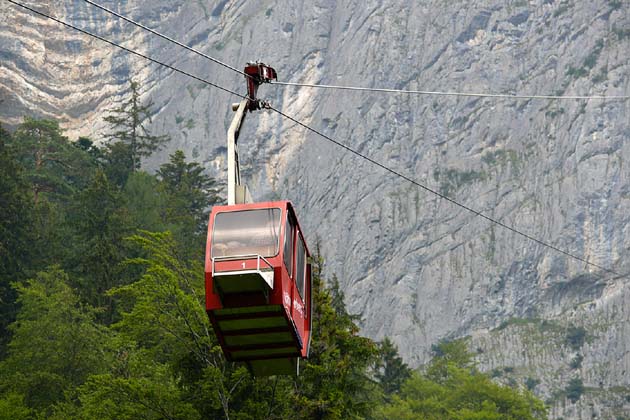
[501, 157]
[576, 363]
[99, 223]
[461, 394]
[531, 383]
[574, 389]
[335, 382]
[621, 33]
[53, 167]
[553, 113]
[16, 236]
[337, 299]
[56, 344]
[189, 194]
[589, 62]
[575, 338]
[166, 315]
[601, 76]
[145, 202]
[119, 162]
[166, 338]
[576, 73]
[12, 407]
[615, 4]
[80, 221]
[514, 321]
[15, 212]
[153, 394]
[452, 388]
[391, 370]
[161, 360]
[54, 170]
[130, 141]
[452, 350]
[543, 325]
[88, 146]
[564, 6]
[449, 353]
[453, 179]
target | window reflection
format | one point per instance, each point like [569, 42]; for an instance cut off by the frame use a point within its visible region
[288, 246]
[247, 232]
[300, 267]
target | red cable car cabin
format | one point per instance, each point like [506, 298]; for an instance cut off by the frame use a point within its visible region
[258, 286]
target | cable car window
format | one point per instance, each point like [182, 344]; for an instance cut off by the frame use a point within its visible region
[288, 245]
[300, 266]
[247, 232]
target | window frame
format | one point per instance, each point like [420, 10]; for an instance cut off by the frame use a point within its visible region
[214, 226]
[300, 243]
[289, 222]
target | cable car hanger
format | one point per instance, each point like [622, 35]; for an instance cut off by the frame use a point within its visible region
[257, 269]
[256, 74]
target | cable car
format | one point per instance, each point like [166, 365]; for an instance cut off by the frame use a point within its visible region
[257, 270]
[258, 286]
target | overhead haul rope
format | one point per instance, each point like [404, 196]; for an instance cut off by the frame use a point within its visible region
[154, 32]
[347, 148]
[444, 197]
[440, 93]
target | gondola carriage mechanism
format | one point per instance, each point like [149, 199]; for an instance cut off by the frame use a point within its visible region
[257, 270]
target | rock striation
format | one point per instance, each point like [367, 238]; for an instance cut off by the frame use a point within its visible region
[415, 267]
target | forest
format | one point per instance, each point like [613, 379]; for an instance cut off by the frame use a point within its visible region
[102, 302]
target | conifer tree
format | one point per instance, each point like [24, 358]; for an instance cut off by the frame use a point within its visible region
[54, 170]
[99, 224]
[190, 194]
[392, 372]
[145, 202]
[16, 215]
[53, 166]
[56, 344]
[130, 141]
[336, 381]
[168, 355]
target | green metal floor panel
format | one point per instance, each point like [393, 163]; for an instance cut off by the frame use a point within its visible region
[248, 310]
[265, 338]
[241, 324]
[239, 283]
[241, 354]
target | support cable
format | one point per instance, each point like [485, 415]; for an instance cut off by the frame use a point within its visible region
[343, 146]
[441, 93]
[444, 197]
[174, 41]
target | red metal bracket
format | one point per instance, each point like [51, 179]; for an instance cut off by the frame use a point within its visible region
[257, 74]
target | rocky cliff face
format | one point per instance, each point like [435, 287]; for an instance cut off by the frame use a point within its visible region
[415, 267]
